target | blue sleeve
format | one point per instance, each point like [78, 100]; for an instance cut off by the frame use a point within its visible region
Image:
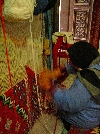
[73, 99]
[70, 69]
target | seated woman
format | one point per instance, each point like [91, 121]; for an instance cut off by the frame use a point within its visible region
[79, 105]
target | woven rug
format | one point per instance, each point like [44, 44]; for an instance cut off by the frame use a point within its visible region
[95, 25]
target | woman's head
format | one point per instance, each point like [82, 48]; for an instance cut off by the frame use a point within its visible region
[82, 54]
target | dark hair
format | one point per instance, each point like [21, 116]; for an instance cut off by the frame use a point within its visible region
[82, 54]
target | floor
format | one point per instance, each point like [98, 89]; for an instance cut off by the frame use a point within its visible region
[48, 124]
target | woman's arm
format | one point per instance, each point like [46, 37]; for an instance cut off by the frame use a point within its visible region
[73, 99]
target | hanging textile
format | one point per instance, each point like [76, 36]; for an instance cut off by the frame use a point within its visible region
[33, 99]
[43, 6]
[49, 29]
[17, 10]
[95, 25]
[50, 5]
[40, 6]
[14, 121]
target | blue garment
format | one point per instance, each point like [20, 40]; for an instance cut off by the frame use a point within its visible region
[76, 104]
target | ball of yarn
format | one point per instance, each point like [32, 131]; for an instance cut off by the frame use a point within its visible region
[46, 77]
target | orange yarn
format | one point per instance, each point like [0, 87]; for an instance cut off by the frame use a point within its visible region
[46, 77]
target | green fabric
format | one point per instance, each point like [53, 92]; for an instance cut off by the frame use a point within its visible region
[96, 61]
[64, 131]
[91, 88]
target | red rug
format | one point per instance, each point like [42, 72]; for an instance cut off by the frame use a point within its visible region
[14, 119]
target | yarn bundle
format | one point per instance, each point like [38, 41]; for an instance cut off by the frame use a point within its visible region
[47, 76]
[18, 10]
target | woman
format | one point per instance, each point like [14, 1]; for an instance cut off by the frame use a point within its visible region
[80, 104]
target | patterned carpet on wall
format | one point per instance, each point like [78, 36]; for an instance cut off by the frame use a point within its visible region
[95, 25]
[14, 117]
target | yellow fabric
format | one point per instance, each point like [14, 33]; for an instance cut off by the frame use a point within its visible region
[17, 10]
[20, 51]
[46, 46]
[16, 68]
[96, 130]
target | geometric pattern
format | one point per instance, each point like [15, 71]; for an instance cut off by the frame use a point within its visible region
[95, 25]
[13, 110]
[21, 105]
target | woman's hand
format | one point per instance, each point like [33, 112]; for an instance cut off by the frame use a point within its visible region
[46, 78]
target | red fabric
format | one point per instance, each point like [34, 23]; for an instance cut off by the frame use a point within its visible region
[95, 25]
[13, 121]
[39, 103]
[75, 130]
[1, 2]
[33, 97]
[19, 118]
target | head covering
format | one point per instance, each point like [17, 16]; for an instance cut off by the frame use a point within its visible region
[90, 77]
[82, 54]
